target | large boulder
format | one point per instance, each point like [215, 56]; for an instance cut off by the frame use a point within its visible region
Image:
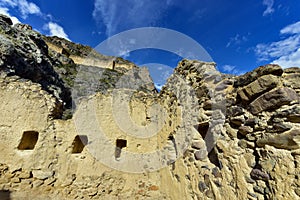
[261, 85]
[273, 99]
[258, 72]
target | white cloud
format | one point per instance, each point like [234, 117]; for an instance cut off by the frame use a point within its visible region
[291, 60]
[230, 69]
[278, 49]
[236, 40]
[9, 3]
[56, 30]
[291, 29]
[122, 15]
[269, 10]
[285, 52]
[26, 8]
[4, 11]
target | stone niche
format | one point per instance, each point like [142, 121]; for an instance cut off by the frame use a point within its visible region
[79, 142]
[120, 144]
[28, 140]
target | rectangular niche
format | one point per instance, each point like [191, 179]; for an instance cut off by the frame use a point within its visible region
[28, 140]
[79, 143]
[120, 144]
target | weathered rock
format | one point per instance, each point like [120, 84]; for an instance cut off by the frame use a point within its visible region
[37, 183]
[279, 127]
[15, 180]
[202, 186]
[216, 172]
[24, 175]
[50, 181]
[251, 122]
[253, 75]
[292, 70]
[287, 140]
[42, 175]
[292, 78]
[235, 111]
[273, 99]
[252, 195]
[238, 120]
[244, 130]
[198, 145]
[200, 154]
[32, 62]
[246, 144]
[257, 174]
[292, 113]
[256, 88]
[5, 19]
[258, 189]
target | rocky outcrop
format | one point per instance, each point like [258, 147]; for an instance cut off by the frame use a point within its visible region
[273, 99]
[25, 54]
[206, 135]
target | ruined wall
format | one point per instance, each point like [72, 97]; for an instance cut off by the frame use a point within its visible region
[88, 58]
[257, 147]
[206, 135]
[253, 154]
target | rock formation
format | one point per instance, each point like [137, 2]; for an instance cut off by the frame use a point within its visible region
[75, 124]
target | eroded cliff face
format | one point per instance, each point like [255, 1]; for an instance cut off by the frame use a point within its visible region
[206, 135]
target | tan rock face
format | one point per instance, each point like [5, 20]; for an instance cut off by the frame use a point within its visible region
[254, 89]
[273, 99]
[230, 151]
[206, 135]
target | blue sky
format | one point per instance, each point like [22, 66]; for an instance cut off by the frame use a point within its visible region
[238, 35]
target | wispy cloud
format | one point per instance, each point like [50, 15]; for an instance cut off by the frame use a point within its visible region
[122, 15]
[285, 52]
[25, 8]
[8, 3]
[56, 30]
[292, 60]
[269, 10]
[236, 40]
[291, 29]
[230, 69]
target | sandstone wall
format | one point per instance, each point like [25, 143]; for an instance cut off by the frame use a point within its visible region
[244, 142]
[206, 135]
[88, 58]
